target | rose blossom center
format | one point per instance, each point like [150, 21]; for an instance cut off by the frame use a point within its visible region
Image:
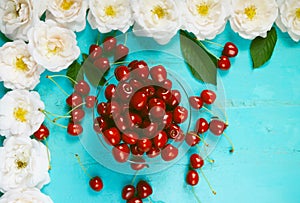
[110, 11]
[21, 164]
[20, 114]
[298, 13]
[159, 12]
[54, 46]
[203, 9]
[250, 12]
[20, 64]
[66, 4]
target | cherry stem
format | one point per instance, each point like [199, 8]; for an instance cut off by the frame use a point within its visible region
[82, 166]
[52, 80]
[201, 138]
[67, 114]
[47, 117]
[196, 196]
[208, 183]
[48, 154]
[63, 76]
[208, 51]
[98, 38]
[230, 142]
[47, 112]
[211, 42]
[120, 62]
[134, 177]
[207, 158]
[213, 114]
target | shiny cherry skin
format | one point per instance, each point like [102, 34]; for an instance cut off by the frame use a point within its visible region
[124, 91]
[102, 109]
[167, 84]
[122, 73]
[74, 129]
[201, 125]
[74, 100]
[180, 114]
[135, 83]
[192, 177]
[138, 100]
[192, 139]
[112, 136]
[77, 115]
[121, 123]
[113, 109]
[121, 52]
[42, 133]
[151, 130]
[144, 190]
[153, 152]
[140, 70]
[110, 91]
[149, 91]
[144, 144]
[128, 192]
[96, 183]
[160, 140]
[135, 200]
[121, 152]
[100, 124]
[135, 150]
[196, 102]
[95, 52]
[158, 73]
[217, 127]
[130, 137]
[208, 96]
[102, 64]
[224, 63]
[196, 161]
[230, 50]
[82, 87]
[132, 64]
[109, 44]
[163, 94]
[174, 100]
[136, 119]
[173, 131]
[167, 119]
[90, 101]
[169, 152]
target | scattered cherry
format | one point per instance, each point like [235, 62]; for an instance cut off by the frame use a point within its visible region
[202, 125]
[196, 102]
[217, 127]
[135, 200]
[82, 87]
[74, 129]
[77, 115]
[192, 139]
[192, 177]
[208, 96]
[74, 100]
[224, 63]
[144, 190]
[128, 192]
[196, 161]
[96, 183]
[169, 152]
[230, 50]
[42, 133]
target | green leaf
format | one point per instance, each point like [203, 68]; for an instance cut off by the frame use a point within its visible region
[84, 57]
[93, 74]
[74, 71]
[261, 49]
[201, 63]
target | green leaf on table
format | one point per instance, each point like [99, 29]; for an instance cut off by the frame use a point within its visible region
[201, 63]
[84, 57]
[74, 71]
[261, 49]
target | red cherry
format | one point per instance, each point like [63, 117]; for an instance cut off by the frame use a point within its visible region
[151, 130]
[169, 152]
[158, 73]
[95, 52]
[153, 152]
[124, 91]
[74, 129]
[138, 100]
[90, 101]
[192, 178]
[208, 96]
[96, 183]
[135, 150]
[217, 127]
[102, 108]
[82, 88]
[174, 100]
[173, 131]
[102, 64]
[224, 63]
[201, 125]
[42, 133]
[121, 123]
[110, 91]
[192, 139]
[149, 91]
[74, 100]
[132, 64]
[167, 119]
[144, 190]
[122, 73]
[139, 163]
[180, 114]
[135, 119]
[180, 137]
[130, 137]
[77, 115]
[128, 192]
[121, 152]
[135, 200]
[196, 102]
[136, 84]
[113, 109]
[140, 69]
[112, 136]
[144, 144]
[163, 94]
[160, 140]
[109, 44]
[196, 161]
[167, 84]
[121, 52]
[100, 124]
[230, 50]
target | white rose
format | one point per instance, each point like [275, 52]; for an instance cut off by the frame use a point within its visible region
[18, 16]
[19, 113]
[25, 195]
[24, 163]
[289, 18]
[18, 70]
[108, 15]
[252, 18]
[159, 19]
[68, 13]
[205, 18]
[53, 47]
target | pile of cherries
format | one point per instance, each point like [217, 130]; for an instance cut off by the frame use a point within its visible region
[229, 50]
[142, 114]
[135, 195]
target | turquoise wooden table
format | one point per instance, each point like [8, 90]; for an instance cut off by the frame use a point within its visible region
[263, 108]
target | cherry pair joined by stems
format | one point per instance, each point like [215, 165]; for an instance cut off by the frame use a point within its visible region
[134, 195]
